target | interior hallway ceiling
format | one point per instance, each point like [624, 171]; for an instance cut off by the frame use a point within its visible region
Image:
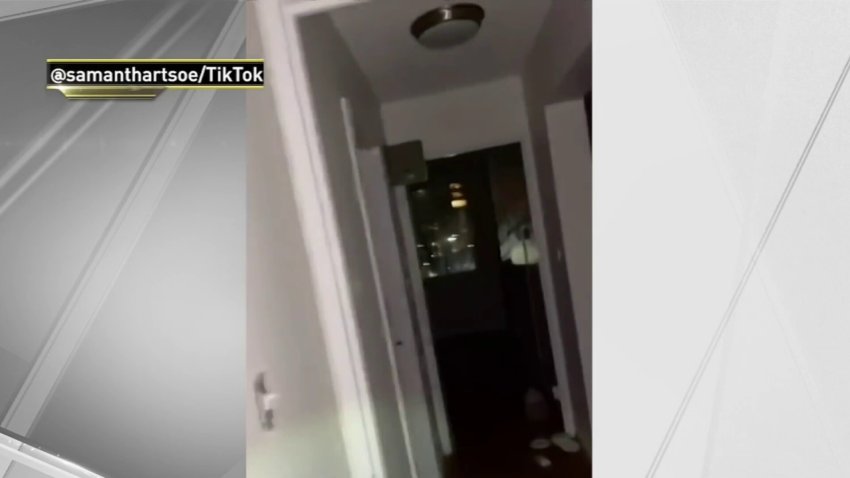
[378, 34]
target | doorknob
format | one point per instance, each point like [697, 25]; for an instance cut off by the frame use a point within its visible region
[264, 401]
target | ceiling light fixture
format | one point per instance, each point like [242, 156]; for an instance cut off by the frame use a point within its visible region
[447, 26]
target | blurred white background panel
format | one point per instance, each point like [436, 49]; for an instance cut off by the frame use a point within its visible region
[704, 109]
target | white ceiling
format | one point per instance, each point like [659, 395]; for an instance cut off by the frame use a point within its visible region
[378, 34]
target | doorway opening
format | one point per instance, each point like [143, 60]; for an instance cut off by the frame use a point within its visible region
[478, 261]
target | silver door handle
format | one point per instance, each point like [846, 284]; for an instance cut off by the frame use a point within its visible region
[264, 400]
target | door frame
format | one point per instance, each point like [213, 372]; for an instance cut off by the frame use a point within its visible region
[286, 75]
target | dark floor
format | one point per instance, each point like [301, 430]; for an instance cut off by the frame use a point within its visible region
[484, 382]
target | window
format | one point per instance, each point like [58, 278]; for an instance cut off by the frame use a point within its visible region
[444, 228]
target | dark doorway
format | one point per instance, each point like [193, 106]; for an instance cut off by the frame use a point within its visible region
[478, 262]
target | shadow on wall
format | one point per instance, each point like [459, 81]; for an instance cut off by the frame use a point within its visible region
[579, 79]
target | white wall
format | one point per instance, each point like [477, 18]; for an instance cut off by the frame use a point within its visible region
[284, 334]
[571, 170]
[157, 278]
[555, 62]
[333, 74]
[553, 269]
[560, 59]
[459, 120]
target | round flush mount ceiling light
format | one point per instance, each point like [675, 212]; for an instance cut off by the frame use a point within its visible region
[447, 26]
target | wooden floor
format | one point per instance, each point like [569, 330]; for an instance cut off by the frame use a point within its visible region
[507, 455]
[484, 384]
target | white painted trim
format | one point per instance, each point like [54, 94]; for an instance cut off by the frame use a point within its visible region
[417, 290]
[117, 243]
[287, 76]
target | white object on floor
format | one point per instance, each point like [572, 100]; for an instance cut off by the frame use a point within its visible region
[566, 443]
[540, 444]
[542, 461]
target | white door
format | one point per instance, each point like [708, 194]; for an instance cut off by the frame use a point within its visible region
[393, 249]
[427, 357]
